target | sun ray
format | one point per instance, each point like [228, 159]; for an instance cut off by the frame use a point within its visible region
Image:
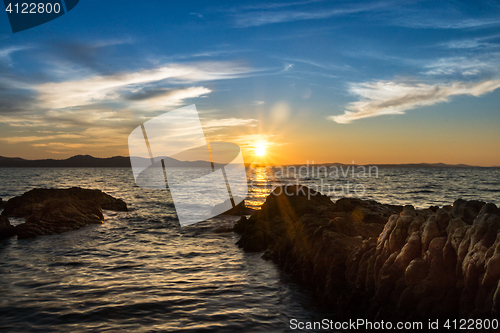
[260, 149]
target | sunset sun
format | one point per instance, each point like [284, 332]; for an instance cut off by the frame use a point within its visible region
[260, 149]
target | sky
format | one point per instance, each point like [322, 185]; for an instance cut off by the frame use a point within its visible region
[365, 82]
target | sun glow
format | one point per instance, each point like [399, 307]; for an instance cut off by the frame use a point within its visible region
[260, 149]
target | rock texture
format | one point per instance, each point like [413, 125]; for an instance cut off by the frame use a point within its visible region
[429, 264]
[49, 211]
[309, 236]
[32, 201]
[6, 229]
[383, 262]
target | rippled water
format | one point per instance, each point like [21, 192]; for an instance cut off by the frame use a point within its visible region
[141, 272]
[420, 187]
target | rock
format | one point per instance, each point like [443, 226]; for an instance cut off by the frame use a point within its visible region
[467, 210]
[1, 203]
[444, 265]
[417, 265]
[49, 211]
[6, 229]
[59, 215]
[32, 201]
[311, 237]
[278, 210]
[226, 208]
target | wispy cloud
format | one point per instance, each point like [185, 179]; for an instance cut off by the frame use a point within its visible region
[6, 52]
[287, 67]
[170, 97]
[97, 111]
[229, 122]
[488, 63]
[203, 54]
[18, 139]
[274, 5]
[389, 97]
[101, 88]
[246, 18]
[426, 22]
[471, 43]
[327, 66]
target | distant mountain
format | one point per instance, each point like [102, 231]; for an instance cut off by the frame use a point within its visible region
[87, 161]
[427, 165]
[408, 165]
[84, 161]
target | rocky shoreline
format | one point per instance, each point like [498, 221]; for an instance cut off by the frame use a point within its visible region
[367, 259]
[383, 262]
[50, 211]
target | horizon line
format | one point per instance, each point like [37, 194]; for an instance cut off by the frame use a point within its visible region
[274, 164]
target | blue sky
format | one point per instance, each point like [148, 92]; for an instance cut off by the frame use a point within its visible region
[330, 81]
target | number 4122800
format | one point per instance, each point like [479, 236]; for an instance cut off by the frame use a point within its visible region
[34, 8]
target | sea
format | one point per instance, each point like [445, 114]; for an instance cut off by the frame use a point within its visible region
[140, 271]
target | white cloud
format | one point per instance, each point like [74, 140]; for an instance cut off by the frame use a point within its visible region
[471, 43]
[6, 52]
[433, 23]
[99, 88]
[229, 122]
[388, 97]
[259, 18]
[463, 65]
[18, 139]
[171, 98]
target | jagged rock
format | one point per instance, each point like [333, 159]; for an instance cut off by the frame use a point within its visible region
[419, 264]
[444, 265]
[49, 211]
[279, 210]
[6, 229]
[311, 237]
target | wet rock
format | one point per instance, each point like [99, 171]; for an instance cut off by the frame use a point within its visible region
[1, 203]
[59, 215]
[444, 265]
[32, 201]
[49, 211]
[418, 264]
[311, 237]
[6, 229]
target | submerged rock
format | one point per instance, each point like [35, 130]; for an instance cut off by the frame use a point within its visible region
[49, 211]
